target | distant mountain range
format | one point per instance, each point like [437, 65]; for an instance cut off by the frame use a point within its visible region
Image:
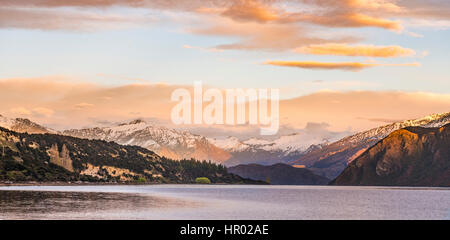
[165, 142]
[325, 155]
[279, 174]
[331, 159]
[267, 152]
[177, 144]
[412, 156]
[52, 157]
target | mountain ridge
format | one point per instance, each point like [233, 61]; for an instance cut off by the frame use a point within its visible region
[411, 156]
[167, 142]
[23, 125]
[52, 157]
[330, 160]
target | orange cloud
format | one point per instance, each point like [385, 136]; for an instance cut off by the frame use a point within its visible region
[348, 66]
[20, 111]
[255, 36]
[346, 19]
[361, 20]
[375, 5]
[42, 111]
[83, 105]
[251, 10]
[358, 50]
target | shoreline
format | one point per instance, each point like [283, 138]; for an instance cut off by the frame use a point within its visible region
[5, 184]
[62, 184]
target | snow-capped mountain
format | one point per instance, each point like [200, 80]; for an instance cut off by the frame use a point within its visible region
[165, 142]
[23, 125]
[433, 120]
[287, 144]
[282, 149]
[331, 159]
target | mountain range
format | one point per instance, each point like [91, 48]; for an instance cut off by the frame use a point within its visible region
[284, 149]
[163, 141]
[331, 159]
[54, 157]
[326, 156]
[412, 156]
[230, 151]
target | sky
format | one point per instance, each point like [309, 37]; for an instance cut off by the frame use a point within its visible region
[391, 55]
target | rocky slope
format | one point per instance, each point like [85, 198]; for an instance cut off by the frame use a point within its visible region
[165, 142]
[413, 156]
[23, 125]
[50, 157]
[279, 174]
[330, 160]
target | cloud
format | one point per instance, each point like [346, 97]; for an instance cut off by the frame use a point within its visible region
[349, 20]
[203, 49]
[42, 111]
[57, 19]
[269, 25]
[382, 120]
[255, 36]
[343, 13]
[357, 50]
[249, 10]
[431, 9]
[21, 111]
[83, 105]
[428, 24]
[37, 112]
[386, 5]
[313, 127]
[348, 66]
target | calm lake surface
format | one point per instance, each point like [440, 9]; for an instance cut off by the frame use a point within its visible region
[222, 202]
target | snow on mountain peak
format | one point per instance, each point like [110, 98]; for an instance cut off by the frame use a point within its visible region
[433, 120]
[6, 122]
[286, 144]
[23, 125]
[229, 143]
[171, 143]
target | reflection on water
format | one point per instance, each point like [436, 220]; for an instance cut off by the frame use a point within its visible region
[78, 205]
[222, 202]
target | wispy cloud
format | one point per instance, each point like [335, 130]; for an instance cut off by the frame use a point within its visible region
[37, 112]
[83, 105]
[20, 111]
[202, 48]
[273, 37]
[356, 50]
[63, 19]
[348, 66]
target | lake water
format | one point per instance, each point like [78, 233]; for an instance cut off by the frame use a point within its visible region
[222, 202]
